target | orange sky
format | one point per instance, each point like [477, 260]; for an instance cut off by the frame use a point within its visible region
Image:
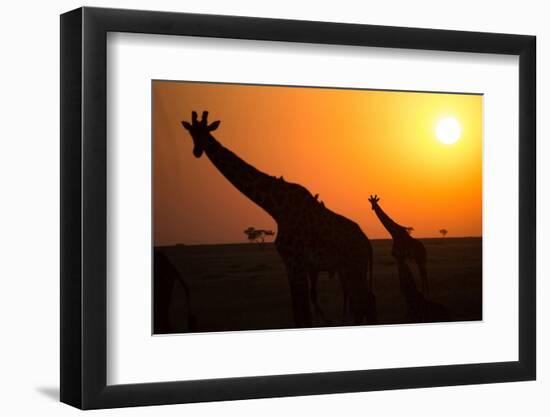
[342, 144]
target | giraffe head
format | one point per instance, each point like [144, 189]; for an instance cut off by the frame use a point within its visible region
[199, 131]
[374, 199]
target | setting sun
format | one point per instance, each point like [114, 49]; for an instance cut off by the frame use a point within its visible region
[448, 130]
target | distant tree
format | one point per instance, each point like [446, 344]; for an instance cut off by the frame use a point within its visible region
[251, 234]
[409, 230]
[257, 235]
[443, 232]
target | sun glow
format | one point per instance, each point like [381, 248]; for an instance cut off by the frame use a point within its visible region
[448, 130]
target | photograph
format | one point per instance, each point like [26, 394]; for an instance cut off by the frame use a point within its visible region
[283, 207]
[265, 205]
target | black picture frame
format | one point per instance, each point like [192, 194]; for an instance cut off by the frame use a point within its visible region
[84, 207]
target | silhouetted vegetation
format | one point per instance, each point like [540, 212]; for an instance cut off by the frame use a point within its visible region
[258, 235]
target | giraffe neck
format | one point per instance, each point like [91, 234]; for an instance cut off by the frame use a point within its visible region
[392, 227]
[254, 184]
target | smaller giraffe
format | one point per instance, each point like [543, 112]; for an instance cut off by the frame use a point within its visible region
[404, 245]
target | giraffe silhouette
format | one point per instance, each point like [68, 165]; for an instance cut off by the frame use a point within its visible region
[166, 278]
[310, 237]
[404, 245]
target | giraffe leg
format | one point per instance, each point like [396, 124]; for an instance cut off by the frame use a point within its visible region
[415, 300]
[357, 307]
[370, 276]
[299, 293]
[345, 296]
[424, 278]
[357, 294]
[165, 276]
[164, 286]
[422, 271]
[191, 318]
[317, 311]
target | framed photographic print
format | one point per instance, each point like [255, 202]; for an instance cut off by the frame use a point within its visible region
[257, 207]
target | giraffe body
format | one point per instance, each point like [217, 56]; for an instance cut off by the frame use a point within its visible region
[315, 239]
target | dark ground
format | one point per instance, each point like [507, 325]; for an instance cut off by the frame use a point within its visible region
[242, 287]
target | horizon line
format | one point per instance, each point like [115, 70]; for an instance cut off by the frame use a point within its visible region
[272, 242]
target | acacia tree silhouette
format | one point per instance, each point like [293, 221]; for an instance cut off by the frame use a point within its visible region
[258, 235]
[310, 237]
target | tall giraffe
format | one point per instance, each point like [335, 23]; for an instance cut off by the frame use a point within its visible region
[310, 237]
[404, 245]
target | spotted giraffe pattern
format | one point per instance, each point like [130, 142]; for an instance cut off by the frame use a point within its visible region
[310, 237]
